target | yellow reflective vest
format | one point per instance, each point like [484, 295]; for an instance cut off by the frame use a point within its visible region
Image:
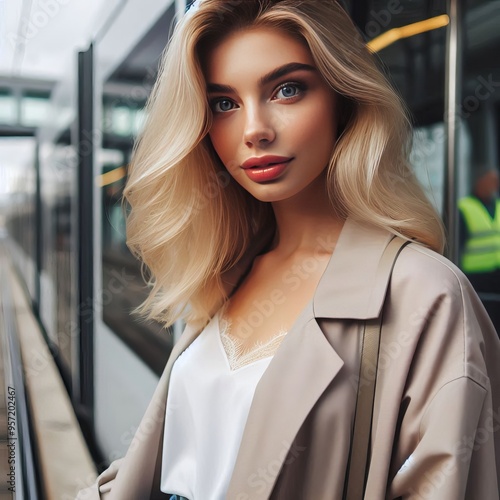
[482, 249]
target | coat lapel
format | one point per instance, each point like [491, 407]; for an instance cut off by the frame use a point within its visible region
[300, 371]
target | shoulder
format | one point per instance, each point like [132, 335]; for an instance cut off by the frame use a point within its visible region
[432, 275]
[426, 277]
[432, 298]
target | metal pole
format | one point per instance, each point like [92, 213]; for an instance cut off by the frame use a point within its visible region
[452, 119]
[85, 230]
[38, 229]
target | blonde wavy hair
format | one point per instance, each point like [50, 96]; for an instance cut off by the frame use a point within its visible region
[189, 220]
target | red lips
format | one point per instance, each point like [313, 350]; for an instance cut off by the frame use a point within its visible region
[264, 161]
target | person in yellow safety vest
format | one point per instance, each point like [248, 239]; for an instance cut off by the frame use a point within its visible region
[480, 240]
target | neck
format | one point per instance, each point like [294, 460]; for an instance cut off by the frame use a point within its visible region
[307, 222]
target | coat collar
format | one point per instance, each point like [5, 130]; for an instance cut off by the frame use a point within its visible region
[352, 285]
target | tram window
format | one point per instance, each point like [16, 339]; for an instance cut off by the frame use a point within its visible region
[34, 109]
[123, 285]
[139, 119]
[17, 201]
[112, 181]
[8, 108]
[123, 116]
[59, 271]
[409, 39]
[119, 119]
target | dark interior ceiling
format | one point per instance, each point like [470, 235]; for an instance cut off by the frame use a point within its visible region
[417, 65]
[142, 63]
[392, 14]
[479, 36]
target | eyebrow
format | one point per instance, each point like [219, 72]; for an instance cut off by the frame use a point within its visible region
[267, 78]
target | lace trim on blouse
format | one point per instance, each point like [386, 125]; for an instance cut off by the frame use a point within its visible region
[237, 356]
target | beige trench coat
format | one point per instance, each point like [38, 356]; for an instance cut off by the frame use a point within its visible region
[436, 430]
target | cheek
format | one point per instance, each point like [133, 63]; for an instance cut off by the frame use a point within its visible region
[326, 126]
[318, 138]
[225, 147]
[318, 130]
[223, 143]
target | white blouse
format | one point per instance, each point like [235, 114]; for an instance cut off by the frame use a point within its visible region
[211, 387]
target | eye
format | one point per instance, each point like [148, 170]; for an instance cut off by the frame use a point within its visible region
[221, 105]
[290, 90]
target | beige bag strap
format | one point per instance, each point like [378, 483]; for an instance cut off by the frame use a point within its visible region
[359, 456]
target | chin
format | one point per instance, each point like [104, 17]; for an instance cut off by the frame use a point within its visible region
[272, 194]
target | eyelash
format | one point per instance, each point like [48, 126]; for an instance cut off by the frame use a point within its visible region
[300, 87]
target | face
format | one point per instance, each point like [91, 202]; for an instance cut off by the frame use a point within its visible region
[487, 186]
[274, 117]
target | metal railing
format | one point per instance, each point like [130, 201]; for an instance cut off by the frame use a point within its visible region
[22, 477]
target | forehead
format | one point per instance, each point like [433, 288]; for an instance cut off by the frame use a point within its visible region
[251, 52]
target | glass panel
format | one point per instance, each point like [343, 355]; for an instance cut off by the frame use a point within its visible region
[8, 111]
[414, 58]
[121, 120]
[112, 183]
[64, 261]
[59, 273]
[18, 202]
[479, 114]
[123, 286]
[34, 110]
[138, 120]
[427, 158]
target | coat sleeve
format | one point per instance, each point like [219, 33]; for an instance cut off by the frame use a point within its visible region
[455, 457]
[449, 440]
[101, 488]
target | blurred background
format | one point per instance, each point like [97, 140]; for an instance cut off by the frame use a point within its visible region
[74, 79]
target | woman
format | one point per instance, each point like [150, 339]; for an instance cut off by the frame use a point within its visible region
[270, 180]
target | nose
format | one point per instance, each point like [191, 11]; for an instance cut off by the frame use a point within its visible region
[258, 128]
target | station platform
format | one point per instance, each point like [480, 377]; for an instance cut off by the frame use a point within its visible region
[43, 454]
